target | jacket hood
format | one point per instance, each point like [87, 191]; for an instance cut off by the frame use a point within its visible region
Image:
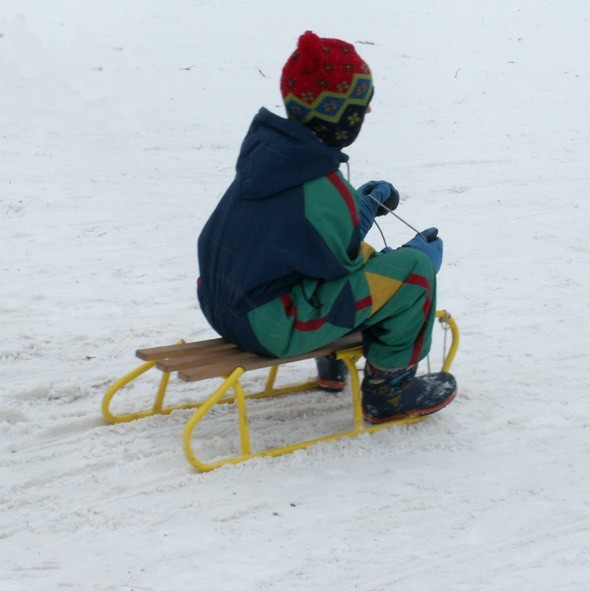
[278, 154]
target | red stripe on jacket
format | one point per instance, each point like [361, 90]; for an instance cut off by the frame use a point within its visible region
[337, 181]
[421, 282]
[309, 325]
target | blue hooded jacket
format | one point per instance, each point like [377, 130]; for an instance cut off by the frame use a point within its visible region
[258, 242]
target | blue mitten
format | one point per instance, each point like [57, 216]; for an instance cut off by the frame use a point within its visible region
[384, 192]
[428, 243]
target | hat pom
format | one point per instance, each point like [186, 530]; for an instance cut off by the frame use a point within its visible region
[309, 49]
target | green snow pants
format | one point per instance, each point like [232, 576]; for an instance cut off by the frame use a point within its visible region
[391, 299]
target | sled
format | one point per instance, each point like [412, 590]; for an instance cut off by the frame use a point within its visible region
[217, 358]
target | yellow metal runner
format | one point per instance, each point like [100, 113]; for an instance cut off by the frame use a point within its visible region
[231, 382]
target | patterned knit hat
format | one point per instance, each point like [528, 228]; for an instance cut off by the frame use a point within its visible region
[327, 87]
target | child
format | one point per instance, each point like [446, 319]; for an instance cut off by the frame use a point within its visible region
[284, 269]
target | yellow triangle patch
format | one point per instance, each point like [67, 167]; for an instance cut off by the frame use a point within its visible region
[382, 289]
[366, 251]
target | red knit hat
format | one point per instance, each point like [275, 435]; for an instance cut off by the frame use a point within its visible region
[327, 87]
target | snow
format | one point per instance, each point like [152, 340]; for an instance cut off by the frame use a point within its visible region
[119, 128]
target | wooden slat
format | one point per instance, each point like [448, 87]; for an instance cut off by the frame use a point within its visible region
[215, 370]
[234, 355]
[157, 353]
[215, 366]
[199, 360]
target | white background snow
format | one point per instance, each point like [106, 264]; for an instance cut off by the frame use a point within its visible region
[119, 128]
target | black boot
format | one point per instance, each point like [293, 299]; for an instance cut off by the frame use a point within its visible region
[332, 374]
[398, 394]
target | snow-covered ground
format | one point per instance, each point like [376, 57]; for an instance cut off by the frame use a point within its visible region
[119, 127]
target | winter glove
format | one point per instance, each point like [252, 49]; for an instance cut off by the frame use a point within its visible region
[428, 243]
[383, 191]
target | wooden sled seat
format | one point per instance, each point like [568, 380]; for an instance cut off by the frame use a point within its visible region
[217, 358]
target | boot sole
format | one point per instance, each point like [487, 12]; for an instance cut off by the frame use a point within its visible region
[412, 413]
[331, 386]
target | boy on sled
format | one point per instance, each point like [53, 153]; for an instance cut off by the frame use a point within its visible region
[283, 266]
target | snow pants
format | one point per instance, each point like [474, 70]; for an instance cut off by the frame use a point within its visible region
[391, 299]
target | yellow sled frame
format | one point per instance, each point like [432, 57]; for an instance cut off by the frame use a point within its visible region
[349, 356]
